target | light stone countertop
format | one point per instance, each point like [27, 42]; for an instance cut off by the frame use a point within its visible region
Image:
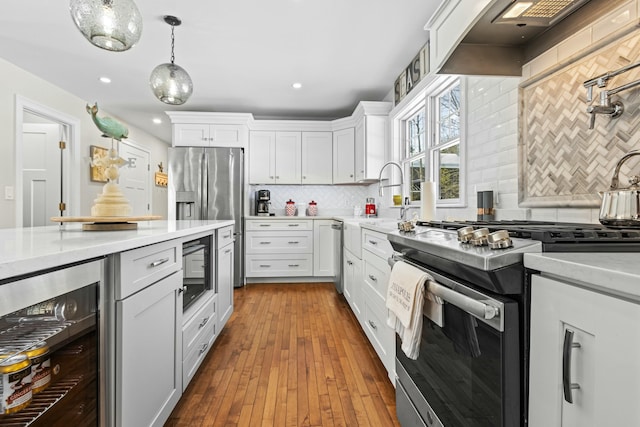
[617, 274]
[27, 250]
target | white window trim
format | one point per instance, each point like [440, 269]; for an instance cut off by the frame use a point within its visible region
[421, 94]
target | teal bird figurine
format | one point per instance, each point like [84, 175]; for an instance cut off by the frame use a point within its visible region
[109, 127]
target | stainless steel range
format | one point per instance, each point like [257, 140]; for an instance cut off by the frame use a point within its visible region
[473, 365]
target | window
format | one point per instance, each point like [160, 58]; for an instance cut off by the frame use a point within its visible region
[432, 144]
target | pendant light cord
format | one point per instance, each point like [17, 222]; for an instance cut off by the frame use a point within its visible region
[172, 44]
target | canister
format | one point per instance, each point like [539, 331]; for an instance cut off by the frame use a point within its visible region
[15, 383]
[40, 366]
[313, 208]
[290, 208]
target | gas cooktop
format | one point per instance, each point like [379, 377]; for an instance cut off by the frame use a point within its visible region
[557, 236]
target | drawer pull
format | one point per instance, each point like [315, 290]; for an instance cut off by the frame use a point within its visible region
[350, 262]
[294, 225]
[265, 243]
[204, 348]
[227, 251]
[373, 325]
[265, 265]
[373, 242]
[265, 225]
[294, 265]
[159, 262]
[372, 277]
[204, 322]
[567, 348]
[293, 243]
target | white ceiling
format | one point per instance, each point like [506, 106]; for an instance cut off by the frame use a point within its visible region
[243, 55]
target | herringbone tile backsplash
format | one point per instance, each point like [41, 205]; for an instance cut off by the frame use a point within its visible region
[562, 162]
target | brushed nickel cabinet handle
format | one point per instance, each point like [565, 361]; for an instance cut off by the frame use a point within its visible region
[265, 243]
[373, 242]
[204, 348]
[265, 265]
[373, 325]
[372, 277]
[204, 322]
[159, 262]
[294, 225]
[294, 265]
[293, 243]
[567, 348]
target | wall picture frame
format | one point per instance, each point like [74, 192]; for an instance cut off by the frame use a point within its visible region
[96, 173]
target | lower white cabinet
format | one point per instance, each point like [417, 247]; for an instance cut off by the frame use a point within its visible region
[198, 334]
[149, 353]
[323, 248]
[224, 278]
[588, 343]
[352, 271]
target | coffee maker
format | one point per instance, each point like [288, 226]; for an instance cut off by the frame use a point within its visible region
[263, 200]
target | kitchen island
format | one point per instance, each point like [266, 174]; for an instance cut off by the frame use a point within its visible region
[110, 304]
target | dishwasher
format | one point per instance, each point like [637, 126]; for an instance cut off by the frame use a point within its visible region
[336, 228]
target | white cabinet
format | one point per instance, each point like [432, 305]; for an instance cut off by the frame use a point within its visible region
[352, 240]
[279, 248]
[344, 166]
[603, 361]
[352, 271]
[449, 25]
[198, 334]
[376, 250]
[224, 276]
[317, 158]
[370, 145]
[275, 157]
[209, 135]
[149, 353]
[323, 248]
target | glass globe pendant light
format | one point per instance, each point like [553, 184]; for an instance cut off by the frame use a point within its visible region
[170, 83]
[114, 25]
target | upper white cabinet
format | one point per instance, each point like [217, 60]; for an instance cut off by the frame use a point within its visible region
[274, 157]
[196, 135]
[344, 166]
[317, 157]
[371, 134]
[449, 25]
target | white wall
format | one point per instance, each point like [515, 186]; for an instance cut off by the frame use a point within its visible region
[16, 81]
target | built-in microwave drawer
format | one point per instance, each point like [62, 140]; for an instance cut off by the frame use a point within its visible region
[197, 324]
[138, 268]
[225, 236]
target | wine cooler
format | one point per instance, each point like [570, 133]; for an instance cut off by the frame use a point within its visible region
[50, 349]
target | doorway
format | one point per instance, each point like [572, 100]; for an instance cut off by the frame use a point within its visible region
[47, 177]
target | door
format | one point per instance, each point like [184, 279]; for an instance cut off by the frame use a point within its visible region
[288, 157]
[185, 182]
[135, 179]
[317, 158]
[344, 156]
[42, 173]
[262, 148]
[225, 283]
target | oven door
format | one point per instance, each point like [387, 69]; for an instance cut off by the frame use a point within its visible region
[467, 372]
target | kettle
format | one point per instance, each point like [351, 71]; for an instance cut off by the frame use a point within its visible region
[621, 206]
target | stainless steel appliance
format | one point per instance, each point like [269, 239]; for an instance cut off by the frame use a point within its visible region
[52, 357]
[208, 184]
[473, 369]
[336, 228]
[197, 270]
[263, 202]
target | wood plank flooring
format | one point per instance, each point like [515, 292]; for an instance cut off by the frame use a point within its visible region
[291, 355]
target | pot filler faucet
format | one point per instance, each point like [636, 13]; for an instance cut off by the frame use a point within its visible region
[612, 109]
[405, 202]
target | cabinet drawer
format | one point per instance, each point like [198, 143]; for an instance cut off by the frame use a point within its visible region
[194, 358]
[277, 224]
[382, 337]
[197, 325]
[138, 268]
[376, 274]
[225, 236]
[377, 243]
[279, 265]
[279, 242]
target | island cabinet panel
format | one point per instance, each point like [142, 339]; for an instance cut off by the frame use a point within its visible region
[225, 275]
[589, 342]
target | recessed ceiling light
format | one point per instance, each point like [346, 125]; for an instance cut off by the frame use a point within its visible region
[297, 85]
[105, 79]
[157, 120]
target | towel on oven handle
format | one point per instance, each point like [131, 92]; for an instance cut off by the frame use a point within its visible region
[405, 299]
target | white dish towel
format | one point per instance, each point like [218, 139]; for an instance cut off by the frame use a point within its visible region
[405, 298]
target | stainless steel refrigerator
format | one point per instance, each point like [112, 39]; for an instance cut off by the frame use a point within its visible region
[208, 184]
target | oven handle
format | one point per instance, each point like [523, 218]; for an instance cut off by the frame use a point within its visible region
[470, 305]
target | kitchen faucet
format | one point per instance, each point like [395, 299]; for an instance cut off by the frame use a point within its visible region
[405, 200]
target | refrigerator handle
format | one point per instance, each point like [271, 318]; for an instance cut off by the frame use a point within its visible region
[204, 202]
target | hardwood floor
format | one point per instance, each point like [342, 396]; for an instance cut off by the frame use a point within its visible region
[291, 355]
